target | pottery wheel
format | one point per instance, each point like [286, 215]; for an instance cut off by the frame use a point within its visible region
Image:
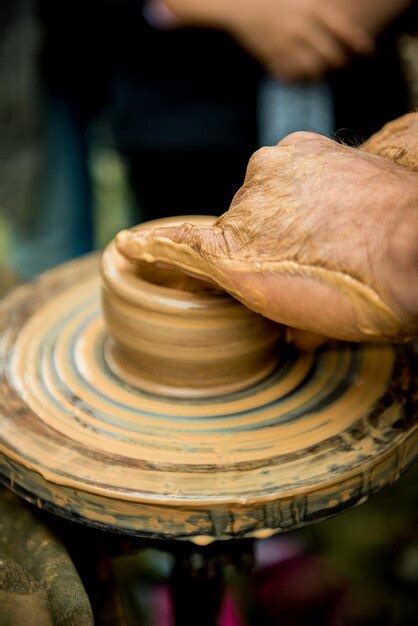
[319, 435]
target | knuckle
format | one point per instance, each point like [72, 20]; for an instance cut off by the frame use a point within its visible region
[296, 137]
[260, 158]
[241, 195]
[182, 232]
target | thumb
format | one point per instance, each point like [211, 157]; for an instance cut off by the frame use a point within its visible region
[188, 247]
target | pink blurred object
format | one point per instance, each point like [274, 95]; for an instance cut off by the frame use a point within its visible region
[160, 602]
[162, 610]
[288, 586]
[277, 550]
[230, 615]
[300, 591]
[158, 15]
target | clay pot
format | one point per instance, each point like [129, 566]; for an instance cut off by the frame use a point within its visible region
[171, 334]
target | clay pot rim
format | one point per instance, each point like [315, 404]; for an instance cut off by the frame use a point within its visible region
[138, 291]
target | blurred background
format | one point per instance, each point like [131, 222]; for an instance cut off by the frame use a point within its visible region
[119, 111]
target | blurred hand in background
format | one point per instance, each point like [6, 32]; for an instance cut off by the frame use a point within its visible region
[373, 15]
[295, 39]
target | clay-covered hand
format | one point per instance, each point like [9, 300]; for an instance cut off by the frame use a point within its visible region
[294, 39]
[320, 237]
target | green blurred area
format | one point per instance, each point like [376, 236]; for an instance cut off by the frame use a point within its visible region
[111, 197]
[4, 240]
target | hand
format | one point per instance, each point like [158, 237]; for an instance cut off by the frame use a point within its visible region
[321, 237]
[374, 16]
[294, 39]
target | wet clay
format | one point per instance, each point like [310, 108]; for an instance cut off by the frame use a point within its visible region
[318, 435]
[172, 334]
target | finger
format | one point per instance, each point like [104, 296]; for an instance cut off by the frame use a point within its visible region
[311, 64]
[305, 340]
[185, 246]
[284, 68]
[328, 46]
[260, 160]
[349, 33]
[302, 63]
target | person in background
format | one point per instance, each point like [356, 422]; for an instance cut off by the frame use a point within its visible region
[190, 101]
